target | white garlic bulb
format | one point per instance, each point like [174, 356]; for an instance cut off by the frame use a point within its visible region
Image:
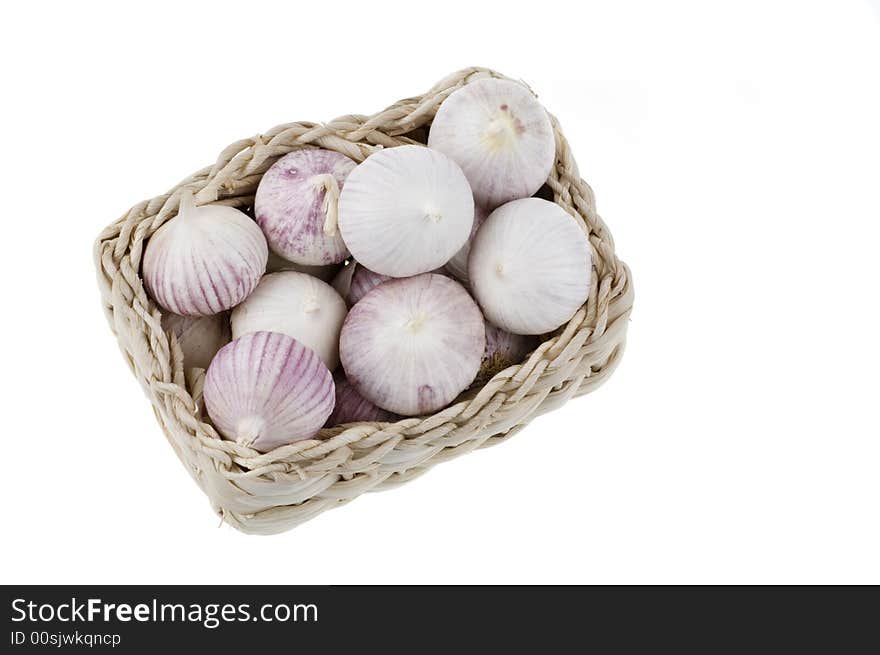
[500, 135]
[530, 266]
[411, 346]
[296, 206]
[297, 305]
[457, 266]
[266, 389]
[200, 337]
[405, 211]
[352, 407]
[205, 260]
[277, 263]
[503, 349]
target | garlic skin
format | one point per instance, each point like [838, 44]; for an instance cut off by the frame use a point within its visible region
[200, 337]
[266, 390]
[530, 266]
[356, 281]
[352, 407]
[205, 260]
[500, 135]
[298, 305]
[503, 349]
[341, 282]
[296, 205]
[411, 346]
[457, 266]
[277, 263]
[362, 282]
[405, 210]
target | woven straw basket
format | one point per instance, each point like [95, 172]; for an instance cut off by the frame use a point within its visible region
[272, 492]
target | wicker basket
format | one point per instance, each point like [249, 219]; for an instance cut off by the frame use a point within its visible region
[272, 492]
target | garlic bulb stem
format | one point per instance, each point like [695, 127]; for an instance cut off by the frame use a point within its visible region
[327, 181]
[249, 429]
[311, 305]
[187, 202]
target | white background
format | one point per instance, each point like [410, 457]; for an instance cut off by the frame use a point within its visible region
[734, 149]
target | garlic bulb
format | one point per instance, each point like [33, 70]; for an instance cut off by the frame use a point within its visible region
[356, 281]
[205, 260]
[500, 135]
[341, 282]
[266, 389]
[457, 266]
[411, 346]
[405, 211]
[363, 281]
[200, 337]
[503, 349]
[278, 263]
[530, 266]
[351, 407]
[296, 205]
[297, 305]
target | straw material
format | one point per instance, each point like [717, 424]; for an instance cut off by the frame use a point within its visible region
[271, 492]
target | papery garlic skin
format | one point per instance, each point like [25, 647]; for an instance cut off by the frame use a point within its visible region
[266, 390]
[500, 135]
[341, 282]
[405, 211]
[411, 346]
[356, 281]
[503, 349]
[296, 204]
[352, 407]
[205, 260]
[277, 263]
[457, 266]
[200, 337]
[298, 305]
[530, 266]
[362, 282]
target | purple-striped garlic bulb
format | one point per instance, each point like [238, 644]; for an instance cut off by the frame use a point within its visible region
[411, 346]
[530, 266]
[200, 337]
[457, 266]
[356, 281]
[266, 389]
[277, 263]
[503, 349]
[296, 206]
[352, 407]
[362, 282]
[500, 135]
[298, 305]
[405, 210]
[205, 260]
[342, 280]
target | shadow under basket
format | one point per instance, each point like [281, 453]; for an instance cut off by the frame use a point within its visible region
[275, 491]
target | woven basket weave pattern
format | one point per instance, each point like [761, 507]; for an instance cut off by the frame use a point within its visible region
[271, 492]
